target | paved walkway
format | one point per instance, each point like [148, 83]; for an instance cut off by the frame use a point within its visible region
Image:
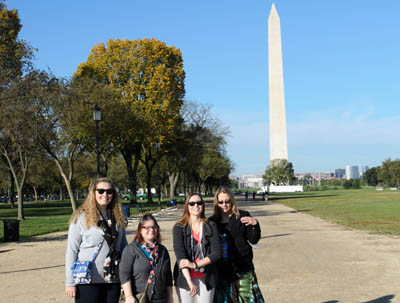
[299, 259]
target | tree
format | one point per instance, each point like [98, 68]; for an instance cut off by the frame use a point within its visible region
[280, 171]
[371, 176]
[389, 172]
[147, 79]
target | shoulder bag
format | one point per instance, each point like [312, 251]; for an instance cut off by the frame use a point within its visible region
[81, 270]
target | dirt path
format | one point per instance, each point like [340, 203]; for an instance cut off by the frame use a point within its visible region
[300, 258]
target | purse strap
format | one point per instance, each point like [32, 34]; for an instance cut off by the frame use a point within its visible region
[97, 249]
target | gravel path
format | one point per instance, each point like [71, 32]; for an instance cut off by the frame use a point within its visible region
[299, 259]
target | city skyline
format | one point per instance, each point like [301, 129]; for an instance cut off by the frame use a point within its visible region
[340, 64]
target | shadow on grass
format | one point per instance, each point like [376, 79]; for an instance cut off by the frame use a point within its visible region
[274, 198]
[31, 269]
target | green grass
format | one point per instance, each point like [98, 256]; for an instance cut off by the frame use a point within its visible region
[43, 218]
[364, 209]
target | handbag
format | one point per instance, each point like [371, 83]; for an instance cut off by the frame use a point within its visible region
[81, 270]
[142, 297]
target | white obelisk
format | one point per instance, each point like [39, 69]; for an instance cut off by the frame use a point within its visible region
[277, 115]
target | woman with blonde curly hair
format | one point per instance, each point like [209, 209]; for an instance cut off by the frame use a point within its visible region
[97, 231]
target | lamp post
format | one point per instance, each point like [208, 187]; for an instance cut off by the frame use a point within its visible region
[97, 118]
[158, 172]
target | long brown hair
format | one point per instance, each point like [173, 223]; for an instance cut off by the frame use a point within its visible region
[89, 207]
[186, 215]
[145, 218]
[217, 209]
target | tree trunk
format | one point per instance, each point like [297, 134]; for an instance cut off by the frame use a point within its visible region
[68, 185]
[35, 192]
[20, 203]
[148, 179]
[11, 192]
[173, 180]
[132, 171]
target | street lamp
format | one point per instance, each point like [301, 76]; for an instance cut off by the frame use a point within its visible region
[97, 118]
[184, 177]
[158, 172]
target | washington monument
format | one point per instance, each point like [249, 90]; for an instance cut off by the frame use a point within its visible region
[277, 115]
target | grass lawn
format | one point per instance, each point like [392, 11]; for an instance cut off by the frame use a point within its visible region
[42, 218]
[364, 209]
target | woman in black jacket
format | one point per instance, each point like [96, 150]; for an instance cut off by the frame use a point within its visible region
[237, 229]
[145, 267]
[197, 248]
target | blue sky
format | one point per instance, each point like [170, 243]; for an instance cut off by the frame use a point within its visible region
[341, 62]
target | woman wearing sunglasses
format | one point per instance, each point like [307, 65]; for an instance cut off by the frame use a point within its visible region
[96, 233]
[197, 248]
[145, 268]
[237, 229]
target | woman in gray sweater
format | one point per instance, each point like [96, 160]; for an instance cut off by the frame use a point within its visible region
[145, 268]
[97, 225]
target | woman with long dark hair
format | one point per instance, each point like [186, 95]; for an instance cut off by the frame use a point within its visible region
[97, 228]
[145, 268]
[197, 248]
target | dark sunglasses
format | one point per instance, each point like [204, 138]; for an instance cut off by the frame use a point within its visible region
[224, 202]
[199, 203]
[108, 191]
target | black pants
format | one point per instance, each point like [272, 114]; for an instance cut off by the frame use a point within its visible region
[98, 293]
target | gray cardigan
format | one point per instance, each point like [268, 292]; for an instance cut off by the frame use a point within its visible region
[82, 243]
[135, 267]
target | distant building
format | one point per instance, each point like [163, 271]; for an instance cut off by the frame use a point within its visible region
[251, 181]
[364, 168]
[340, 173]
[352, 172]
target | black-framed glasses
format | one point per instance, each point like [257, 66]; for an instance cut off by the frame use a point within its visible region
[224, 202]
[101, 191]
[199, 203]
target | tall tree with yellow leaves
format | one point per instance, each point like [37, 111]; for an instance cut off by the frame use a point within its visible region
[147, 77]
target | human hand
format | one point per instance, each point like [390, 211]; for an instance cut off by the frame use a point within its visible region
[71, 291]
[248, 221]
[193, 289]
[130, 299]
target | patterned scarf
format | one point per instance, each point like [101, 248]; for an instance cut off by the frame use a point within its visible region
[151, 251]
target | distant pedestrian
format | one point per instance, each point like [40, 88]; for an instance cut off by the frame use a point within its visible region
[237, 280]
[263, 195]
[254, 195]
[246, 194]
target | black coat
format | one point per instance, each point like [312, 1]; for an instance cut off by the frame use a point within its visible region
[211, 247]
[240, 252]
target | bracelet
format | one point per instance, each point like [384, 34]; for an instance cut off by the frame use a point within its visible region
[127, 296]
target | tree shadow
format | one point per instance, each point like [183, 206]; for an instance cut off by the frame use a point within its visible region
[384, 299]
[274, 198]
[30, 269]
[274, 236]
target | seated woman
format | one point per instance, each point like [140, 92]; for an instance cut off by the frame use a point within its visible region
[145, 268]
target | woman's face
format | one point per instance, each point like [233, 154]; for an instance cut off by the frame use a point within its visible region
[149, 231]
[104, 194]
[195, 205]
[224, 203]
